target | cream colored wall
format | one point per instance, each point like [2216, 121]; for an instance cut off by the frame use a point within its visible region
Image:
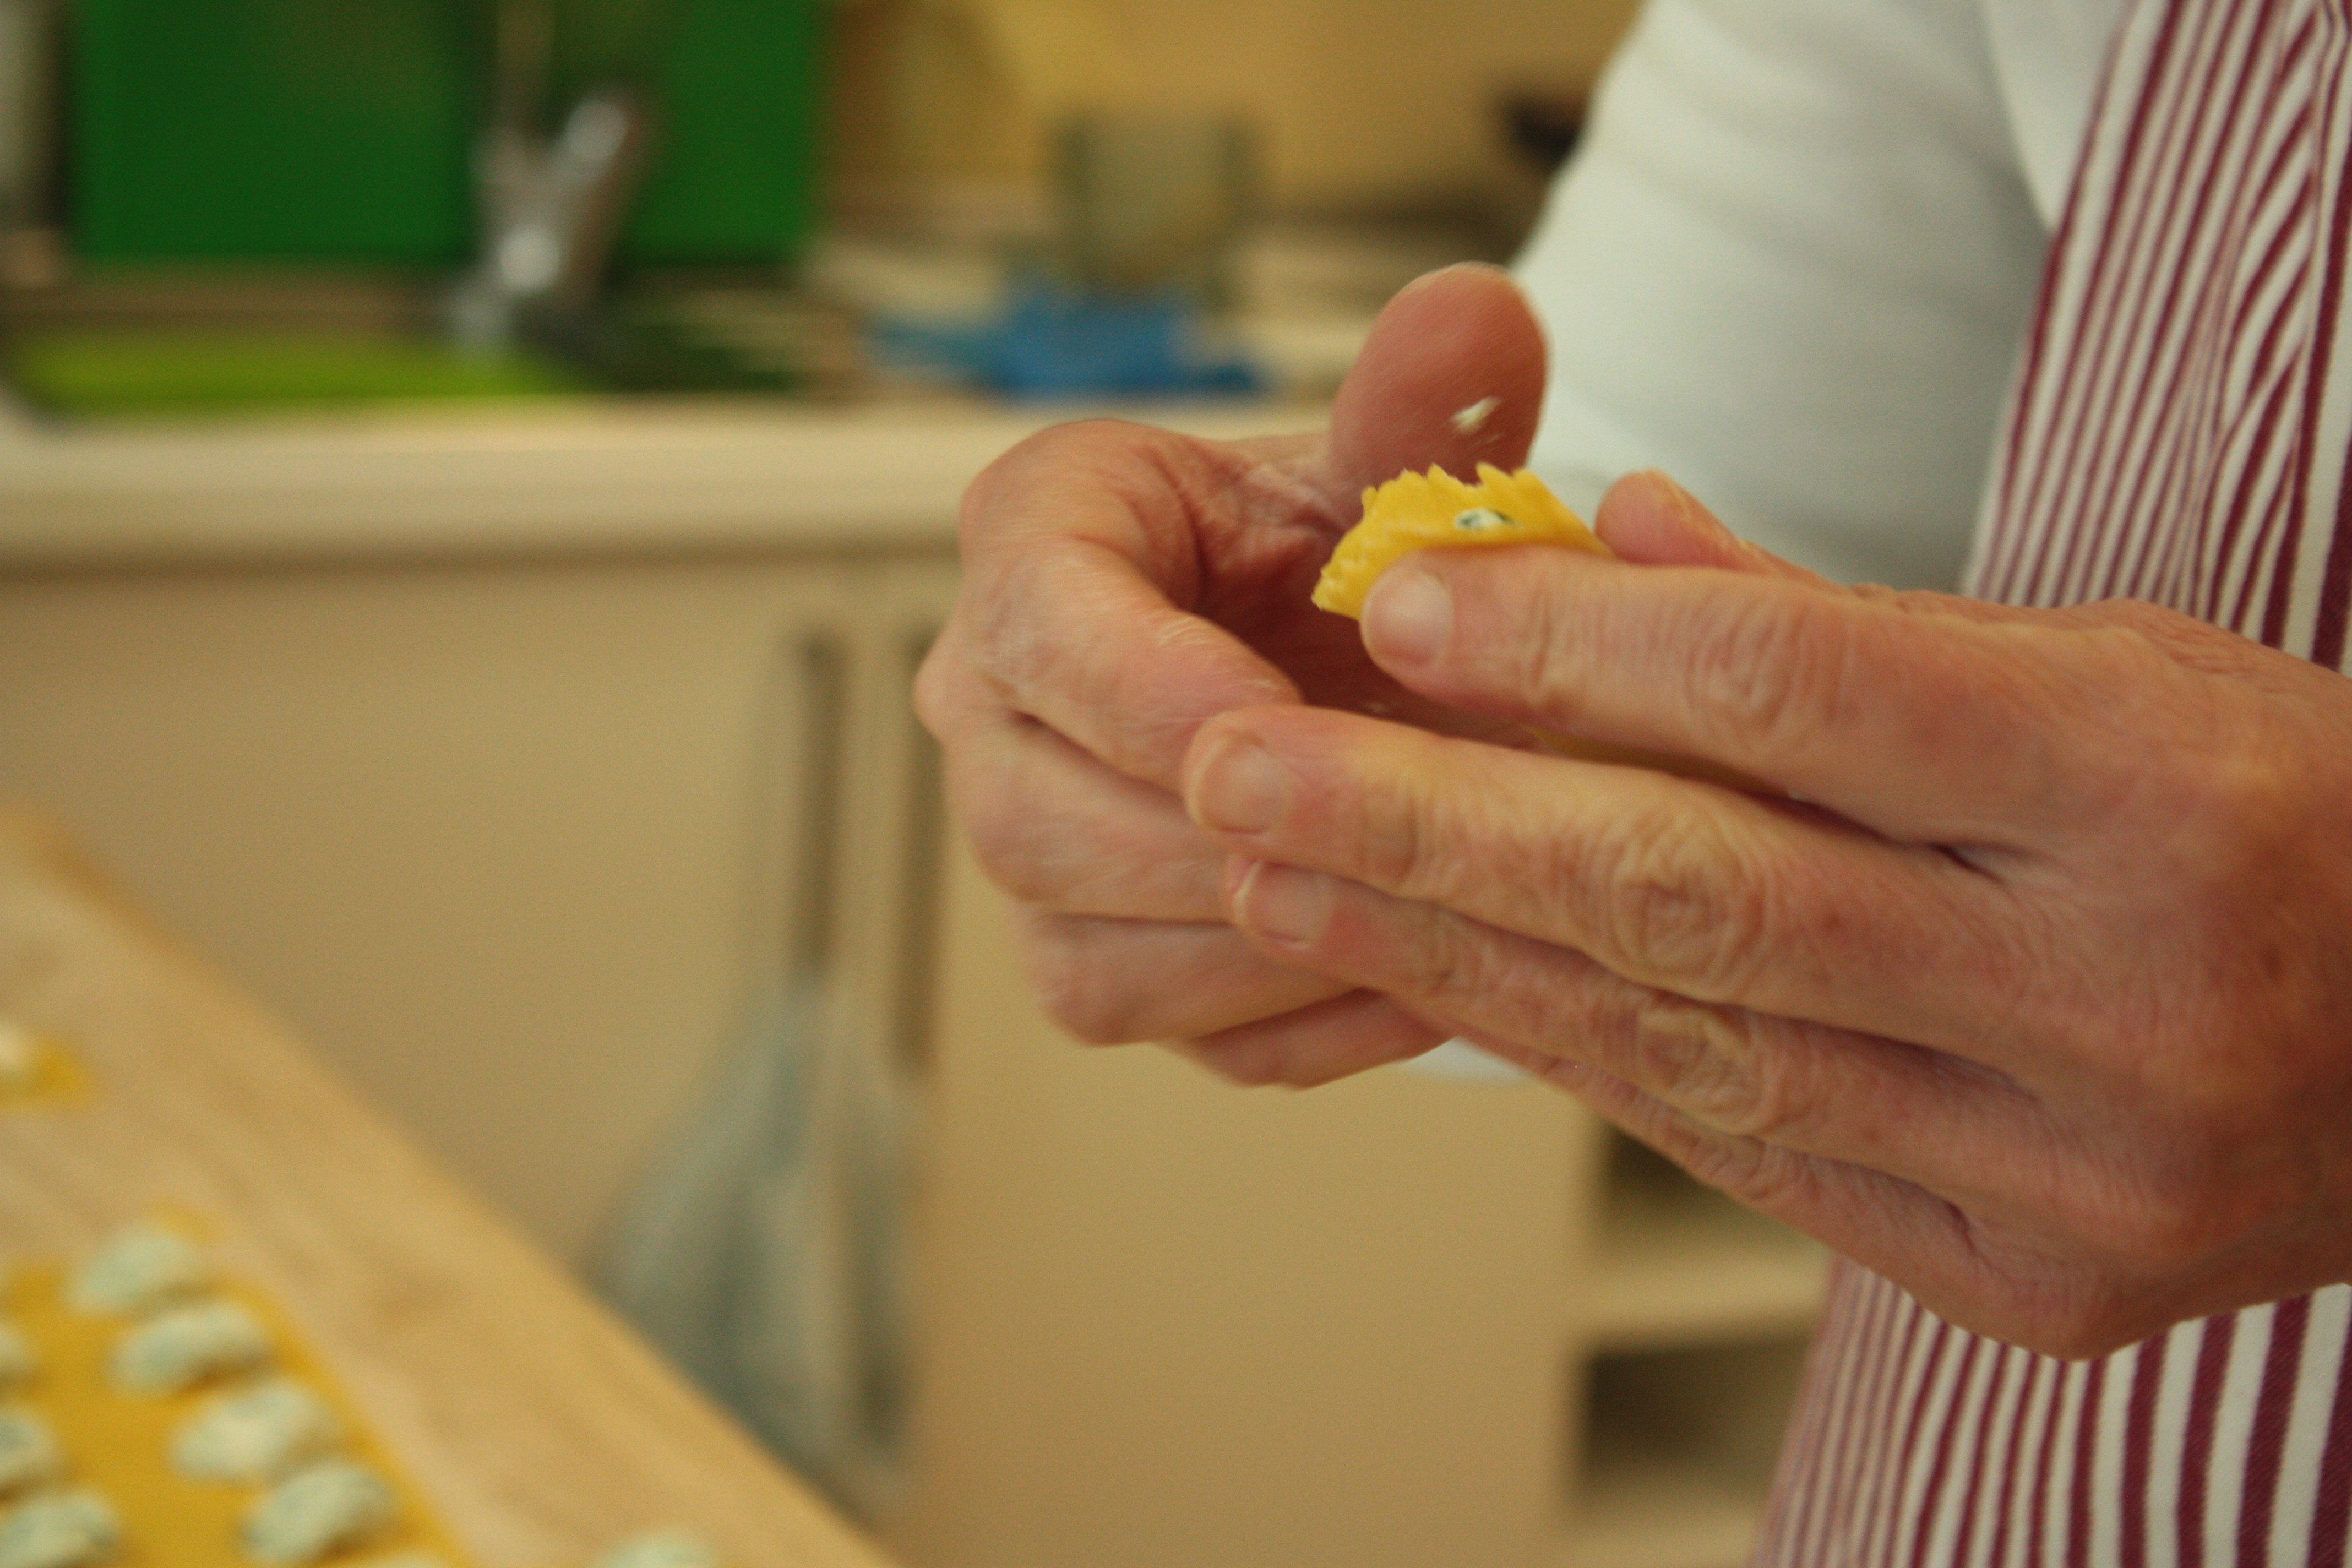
[1362, 103]
[1367, 102]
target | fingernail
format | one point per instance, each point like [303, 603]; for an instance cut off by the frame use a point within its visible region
[1282, 905]
[1409, 616]
[1686, 508]
[1240, 788]
[1695, 518]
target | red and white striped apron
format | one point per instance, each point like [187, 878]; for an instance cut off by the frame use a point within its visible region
[2180, 432]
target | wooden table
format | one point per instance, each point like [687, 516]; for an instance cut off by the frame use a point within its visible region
[541, 1429]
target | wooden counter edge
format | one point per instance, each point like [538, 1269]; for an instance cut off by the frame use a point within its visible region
[543, 1428]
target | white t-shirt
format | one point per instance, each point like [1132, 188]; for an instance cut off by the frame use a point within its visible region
[1790, 261]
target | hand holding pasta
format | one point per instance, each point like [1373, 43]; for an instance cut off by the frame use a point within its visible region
[2017, 966]
[2036, 1003]
[1121, 585]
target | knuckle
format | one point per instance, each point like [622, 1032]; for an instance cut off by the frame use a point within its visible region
[1675, 903]
[1004, 843]
[2232, 824]
[2095, 1335]
[2134, 1233]
[2105, 1257]
[984, 508]
[2075, 1324]
[984, 505]
[2166, 1217]
[1708, 1063]
[1005, 651]
[1403, 844]
[1770, 670]
[2013, 1286]
[1452, 960]
[1423, 826]
[1245, 1066]
[2210, 777]
[1033, 856]
[1086, 998]
[1543, 658]
[1261, 1064]
[1771, 1181]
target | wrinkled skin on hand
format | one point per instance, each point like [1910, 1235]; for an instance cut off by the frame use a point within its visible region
[1123, 584]
[2025, 976]
[2031, 988]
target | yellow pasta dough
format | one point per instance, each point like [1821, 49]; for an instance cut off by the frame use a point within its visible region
[1421, 511]
[1432, 510]
[258, 1472]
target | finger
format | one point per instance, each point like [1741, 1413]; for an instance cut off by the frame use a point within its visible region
[1945, 1178]
[1080, 551]
[1918, 1115]
[1104, 561]
[1451, 374]
[1649, 520]
[1927, 725]
[1329, 1040]
[1110, 982]
[1059, 830]
[1704, 892]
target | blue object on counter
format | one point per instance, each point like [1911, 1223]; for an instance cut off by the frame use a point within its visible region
[1055, 342]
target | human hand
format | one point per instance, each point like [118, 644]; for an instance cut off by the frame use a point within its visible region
[2033, 993]
[1121, 585]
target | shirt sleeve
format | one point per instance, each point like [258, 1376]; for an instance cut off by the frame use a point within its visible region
[1790, 265]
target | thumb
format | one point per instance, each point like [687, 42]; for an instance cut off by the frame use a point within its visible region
[1453, 375]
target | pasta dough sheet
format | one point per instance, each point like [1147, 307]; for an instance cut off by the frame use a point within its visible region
[120, 1443]
[52, 1077]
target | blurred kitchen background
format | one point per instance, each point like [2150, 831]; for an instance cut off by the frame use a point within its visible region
[476, 480]
[239, 203]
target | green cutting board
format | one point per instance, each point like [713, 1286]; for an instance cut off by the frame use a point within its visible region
[341, 129]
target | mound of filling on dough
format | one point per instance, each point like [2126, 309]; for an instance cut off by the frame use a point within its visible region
[140, 1268]
[254, 1433]
[180, 1347]
[661, 1549]
[28, 1452]
[316, 1511]
[59, 1530]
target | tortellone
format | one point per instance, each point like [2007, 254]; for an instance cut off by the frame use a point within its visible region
[1421, 511]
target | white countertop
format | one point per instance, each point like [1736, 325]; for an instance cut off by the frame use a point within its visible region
[623, 477]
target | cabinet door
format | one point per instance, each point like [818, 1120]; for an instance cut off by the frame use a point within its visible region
[508, 842]
[1168, 1322]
